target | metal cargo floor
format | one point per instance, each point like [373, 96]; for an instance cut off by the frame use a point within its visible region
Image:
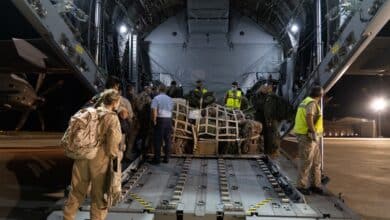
[212, 188]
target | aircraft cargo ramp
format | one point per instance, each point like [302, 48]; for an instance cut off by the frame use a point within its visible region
[218, 188]
[236, 187]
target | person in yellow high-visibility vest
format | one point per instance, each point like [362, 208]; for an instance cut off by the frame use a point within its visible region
[199, 88]
[233, 97]
[308, 128]
[196, 96]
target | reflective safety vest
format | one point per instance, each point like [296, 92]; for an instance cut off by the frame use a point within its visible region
[203, 90]
[233, 99]
[300, 119]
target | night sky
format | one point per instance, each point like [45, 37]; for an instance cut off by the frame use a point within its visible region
[352, 96]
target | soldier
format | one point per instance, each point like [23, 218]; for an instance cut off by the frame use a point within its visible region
[154, 90]
[94, 172]
[308, 127]
[131, 94]
[174, 91]
[126, 116]
[259, 104]
[133, 124]
[271, 124]
[125, 107]
[143, 102]
[125, 110]
[270, 110]
[200, 97]
[233, 97]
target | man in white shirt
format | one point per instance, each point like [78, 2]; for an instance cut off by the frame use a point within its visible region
[162, 106]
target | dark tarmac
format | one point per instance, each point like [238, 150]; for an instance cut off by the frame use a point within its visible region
[359, 169]
[34, 173]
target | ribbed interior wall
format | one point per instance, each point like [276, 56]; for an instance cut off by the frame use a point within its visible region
[218, 59]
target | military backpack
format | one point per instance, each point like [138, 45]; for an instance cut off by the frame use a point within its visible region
[80, 140]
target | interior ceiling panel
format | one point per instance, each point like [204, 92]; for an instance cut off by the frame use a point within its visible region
[272, 15]
[208, 26]
[207, 8]
[204, 16]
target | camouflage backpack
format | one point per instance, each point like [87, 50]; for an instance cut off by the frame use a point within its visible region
[80, 140]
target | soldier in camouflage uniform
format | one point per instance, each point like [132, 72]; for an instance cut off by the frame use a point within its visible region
[94, 173]
[271, 125]
[270, 110]
[125, 111]
[134, 125]
[258, 101]
[143, 102]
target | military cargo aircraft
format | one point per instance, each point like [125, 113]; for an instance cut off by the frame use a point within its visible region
[295, 43]
[20, 60]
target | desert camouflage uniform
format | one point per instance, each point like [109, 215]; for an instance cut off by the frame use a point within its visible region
[94, 172]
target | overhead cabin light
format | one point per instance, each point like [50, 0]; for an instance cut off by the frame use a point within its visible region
[294, 28]
[123, 29]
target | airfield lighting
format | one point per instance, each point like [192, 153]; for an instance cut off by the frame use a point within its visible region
[294, 28]
[379, 105]
[123, 29]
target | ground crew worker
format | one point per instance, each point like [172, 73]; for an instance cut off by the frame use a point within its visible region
[162, 106]
[200, 97]
[244, 100]
[200, 92]
[308, 127]
[196, 96]
[233, 97]
[199, 88]
[94, 172]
